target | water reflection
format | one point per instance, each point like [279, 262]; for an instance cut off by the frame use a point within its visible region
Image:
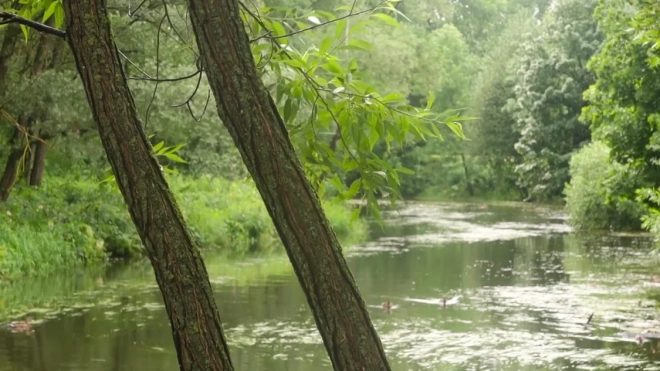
[525, 290]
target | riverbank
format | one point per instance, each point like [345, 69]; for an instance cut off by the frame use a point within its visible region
[520, 280]
[73, 222]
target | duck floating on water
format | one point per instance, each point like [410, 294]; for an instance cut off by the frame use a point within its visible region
[388, 306]
[21, 326]
[444, 302]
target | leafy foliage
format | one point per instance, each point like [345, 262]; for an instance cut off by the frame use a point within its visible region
[335, 118]
[593, 198]
[71, 221]
[548, 97]
[494, 134]
[622, 109]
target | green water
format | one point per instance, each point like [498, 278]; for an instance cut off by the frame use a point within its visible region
[526, 288]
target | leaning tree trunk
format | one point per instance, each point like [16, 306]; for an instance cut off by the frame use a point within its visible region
[251, 116]
[176, 259]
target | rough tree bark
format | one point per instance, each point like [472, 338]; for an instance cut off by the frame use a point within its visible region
[10, 174]
[6, 52]
[38, 160]
[180, 272]
[8, 178]
[15, 159]
[251, 116]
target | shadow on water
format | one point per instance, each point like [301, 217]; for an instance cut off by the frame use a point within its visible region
[519, 290]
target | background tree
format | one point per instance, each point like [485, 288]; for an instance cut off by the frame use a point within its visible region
[548, 97]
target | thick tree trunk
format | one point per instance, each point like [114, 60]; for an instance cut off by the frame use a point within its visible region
[18, 155]
[256, 127]
[469, 188]
[177, 262]
[16, 159]
[38, 163]
[7, 50]
[10, 174]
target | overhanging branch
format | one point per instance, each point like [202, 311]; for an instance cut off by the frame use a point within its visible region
[13, 18]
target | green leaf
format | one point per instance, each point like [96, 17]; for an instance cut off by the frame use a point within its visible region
[294, 63]
[429, 103]
[279, 30]
[340, 28]
[159, 146]
[174, 158]
[392, 98]
[404, 170]
[360, 44]
[176, 148]
[321, 191]
[355, 214]
[49, 11]
[333, 67]
[108, 179]
[287, 110]
[387, 19]
[59, 16]
[353, 189]
[25, 31]
[326, 44]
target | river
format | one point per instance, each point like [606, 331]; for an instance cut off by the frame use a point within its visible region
[521, 288]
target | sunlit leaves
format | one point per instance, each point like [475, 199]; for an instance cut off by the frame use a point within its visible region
[163, 154]
[646, 27]
[335, 117]
[32, 9]
[387, 19]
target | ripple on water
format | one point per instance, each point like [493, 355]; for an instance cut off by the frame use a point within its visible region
[524, 290]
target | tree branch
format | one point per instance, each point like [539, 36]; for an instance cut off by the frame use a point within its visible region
[13, 18]
[349, 15]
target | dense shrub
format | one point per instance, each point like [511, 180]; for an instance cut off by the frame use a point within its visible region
[594, 196]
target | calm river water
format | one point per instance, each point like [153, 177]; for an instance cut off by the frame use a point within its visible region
[522, 289]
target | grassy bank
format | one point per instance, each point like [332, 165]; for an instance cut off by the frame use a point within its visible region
[70, 222]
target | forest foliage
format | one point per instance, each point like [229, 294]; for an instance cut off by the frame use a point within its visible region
[526, 100]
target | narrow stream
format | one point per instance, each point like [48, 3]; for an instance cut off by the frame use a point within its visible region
[520, 291]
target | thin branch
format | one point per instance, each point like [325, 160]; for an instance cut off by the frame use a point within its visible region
[153, 96]
[133, 64]
[172, 79]
[351, 14]
[21, 128]
[176, 32]
[188, 101]
[130, 14]
[13, 18]
[306, 76]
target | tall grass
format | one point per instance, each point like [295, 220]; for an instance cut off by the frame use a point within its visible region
[73, 221]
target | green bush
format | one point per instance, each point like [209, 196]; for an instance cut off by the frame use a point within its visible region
[593, 196]
[68, 222]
